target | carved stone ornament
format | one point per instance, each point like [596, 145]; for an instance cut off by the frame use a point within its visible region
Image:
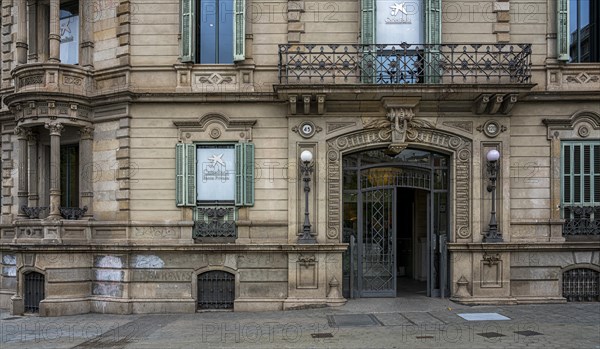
[307, 260]
[492, 128]
[462, 288]
[307, 129]
[491, 259]
[55, 128]
[400, 118]
[418, 132]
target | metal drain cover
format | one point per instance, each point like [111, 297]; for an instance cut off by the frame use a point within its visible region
[351, 320]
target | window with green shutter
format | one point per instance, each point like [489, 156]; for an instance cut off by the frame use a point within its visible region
[580, 187]
[390, 28]
[216, 173]
[212, 31]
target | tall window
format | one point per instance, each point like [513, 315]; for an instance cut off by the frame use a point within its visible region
[215, 174]
[212, 31]
[581, 187]
[69, 32]
[403, 26]
[583, 30]
[69, 175]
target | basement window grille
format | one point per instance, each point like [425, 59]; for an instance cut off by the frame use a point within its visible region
[581, 285]
[216, 290]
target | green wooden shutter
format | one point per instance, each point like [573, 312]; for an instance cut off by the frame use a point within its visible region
[562, 30]
[191, 174]
[180, 190]
[249, 174]
[367, 30]
[239, 30]
[433, 38]
[239, 174]
[188, 30]
[244, 174]
[580, 175]
[185, 174]
[367, 39]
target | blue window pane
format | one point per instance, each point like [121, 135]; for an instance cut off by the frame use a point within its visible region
[215, 29]
[226, 15]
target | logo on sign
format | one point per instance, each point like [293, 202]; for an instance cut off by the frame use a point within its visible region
[398, 14]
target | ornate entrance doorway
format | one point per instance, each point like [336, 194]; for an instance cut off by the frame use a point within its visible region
[395, 219]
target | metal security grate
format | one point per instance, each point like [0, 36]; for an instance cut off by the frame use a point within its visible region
[215, 222]
[216, 290]
[33, 291]
[581, 285]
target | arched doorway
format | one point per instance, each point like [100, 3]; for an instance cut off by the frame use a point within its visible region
[395, 218]
[33, 291]
[216, 290]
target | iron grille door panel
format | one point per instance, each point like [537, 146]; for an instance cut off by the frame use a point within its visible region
[216, 290]
[33, 291]
[377, 242]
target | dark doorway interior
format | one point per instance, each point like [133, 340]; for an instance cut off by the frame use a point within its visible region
[411, 211]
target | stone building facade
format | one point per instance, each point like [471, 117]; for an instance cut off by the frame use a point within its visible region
[151, 153]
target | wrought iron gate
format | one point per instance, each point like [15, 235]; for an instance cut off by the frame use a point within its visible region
[377, 244]
[216, 290]
[581, 285]
[33, 290]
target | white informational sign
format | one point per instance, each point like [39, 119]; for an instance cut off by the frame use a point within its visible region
[399, 21]
[69, 40]
[216, 173]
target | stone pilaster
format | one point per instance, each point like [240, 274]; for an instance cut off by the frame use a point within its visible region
[33, 32]
[7, 43]
[86, 45]
[23, 135]
[86, 191]
[295, 25]
[54, 36]
[55, 129]
[7, 172]
[22, 32]
[502, 25]
[33, 170]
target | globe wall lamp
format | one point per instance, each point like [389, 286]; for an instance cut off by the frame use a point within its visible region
[306, 168]
[493, 235]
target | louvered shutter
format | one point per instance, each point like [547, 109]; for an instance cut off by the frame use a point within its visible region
[562, 30]
[185, 174]
[367, 39]
[188, 30]
[191, 174]
[180, 190]
[239, 30]
[433, 37]
[244, 174]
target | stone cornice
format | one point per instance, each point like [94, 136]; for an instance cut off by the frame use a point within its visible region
[533, 246]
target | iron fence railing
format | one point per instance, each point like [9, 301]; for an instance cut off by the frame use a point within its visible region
[581, 220]
[404, 63]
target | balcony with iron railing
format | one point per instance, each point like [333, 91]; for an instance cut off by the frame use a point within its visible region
[581, 221]
[402, 64]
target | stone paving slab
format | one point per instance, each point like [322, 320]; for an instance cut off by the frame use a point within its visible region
[572, 325]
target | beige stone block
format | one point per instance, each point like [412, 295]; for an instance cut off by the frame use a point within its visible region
[264, 275]
[263, 290]
[71, 274]
[296, 27]
[294, 37]
[583, 257]
[534, 288]
[501, 6]
[537, 273]
[501, 27]
[157, 306]
[262, 260]
[503, 16]
[502, 37]
[71, 289]
[59, 307]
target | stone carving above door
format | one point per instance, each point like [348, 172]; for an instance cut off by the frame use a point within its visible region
[379, 133]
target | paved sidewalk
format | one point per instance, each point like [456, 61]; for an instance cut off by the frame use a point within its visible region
[408, 322]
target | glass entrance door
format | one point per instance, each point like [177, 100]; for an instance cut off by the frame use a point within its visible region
[387, 198]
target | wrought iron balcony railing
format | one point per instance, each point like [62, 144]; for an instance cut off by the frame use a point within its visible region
[214, 222]
[581, 220]
[404, 64]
